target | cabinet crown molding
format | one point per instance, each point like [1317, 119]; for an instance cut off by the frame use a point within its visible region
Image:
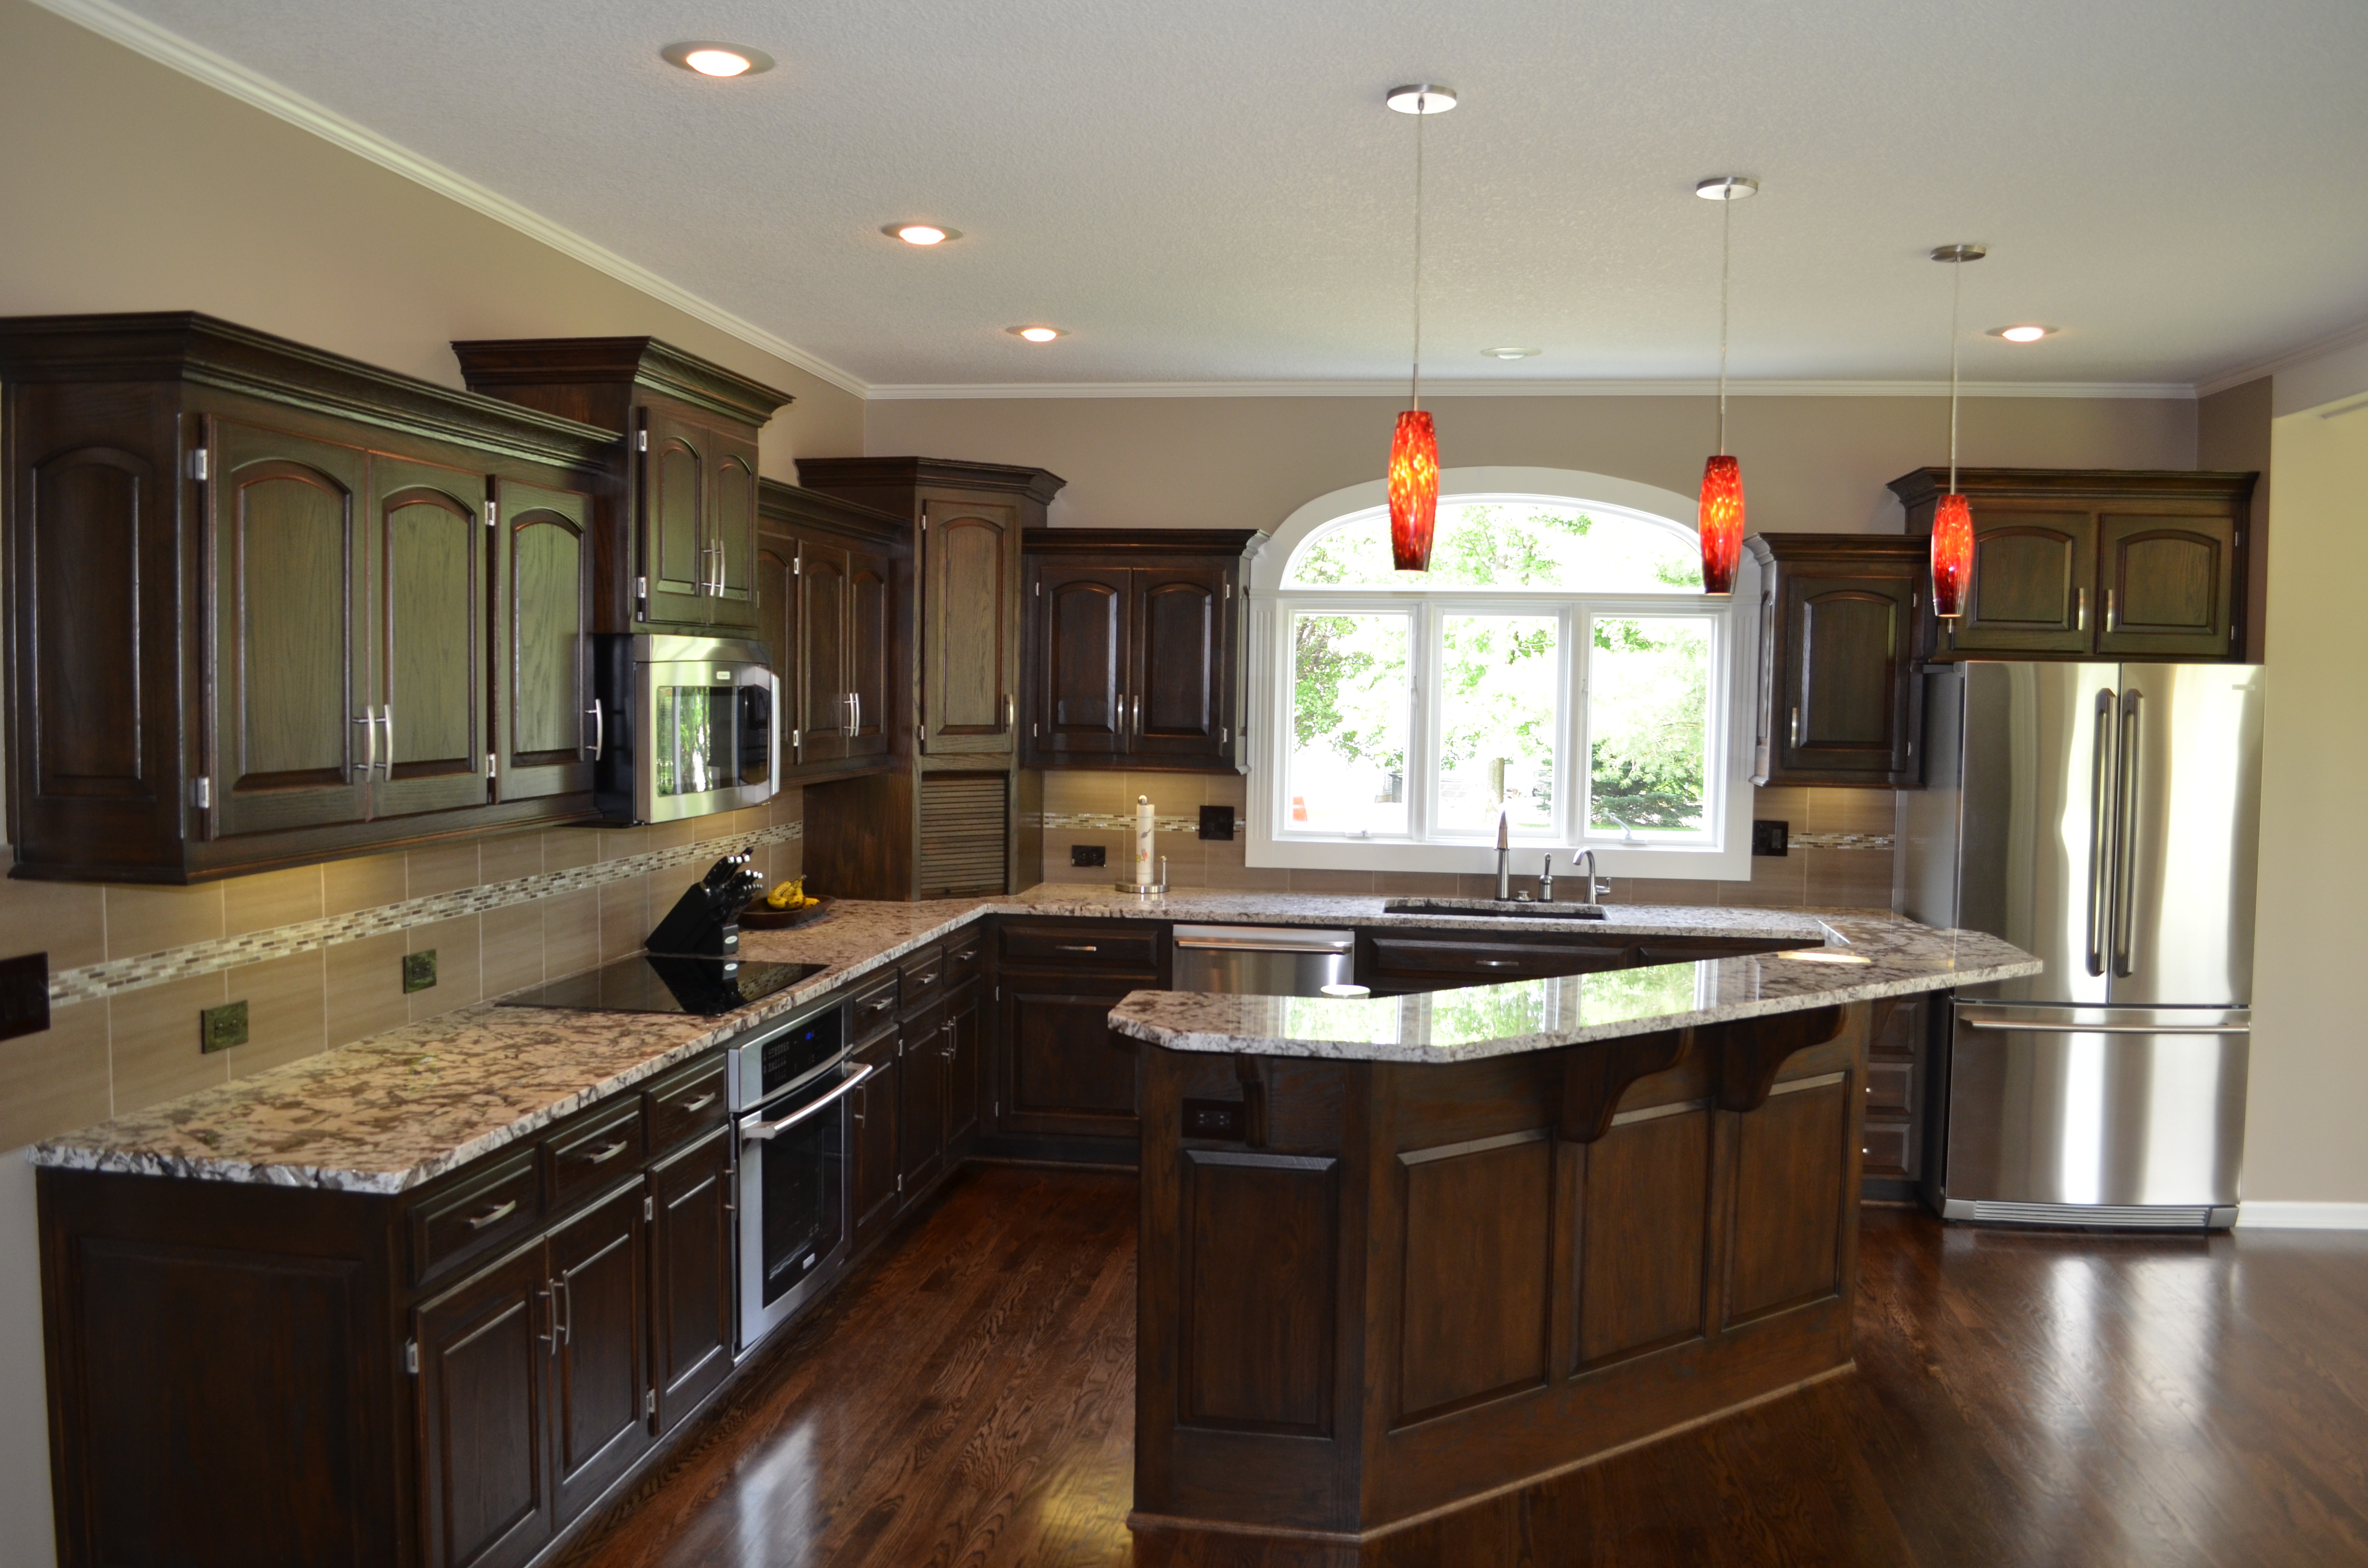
[197, 349]
[791, 506]
[648, 362]
[1924, 485]
[1127, 543]
[1039, 485]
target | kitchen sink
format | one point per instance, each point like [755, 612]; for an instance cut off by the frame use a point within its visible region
[1515, 909]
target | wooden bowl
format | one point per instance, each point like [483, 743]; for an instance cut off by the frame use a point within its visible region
[758, 916]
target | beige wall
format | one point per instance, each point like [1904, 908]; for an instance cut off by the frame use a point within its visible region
[2309, 1085]
[1810, 464]
[129, 187]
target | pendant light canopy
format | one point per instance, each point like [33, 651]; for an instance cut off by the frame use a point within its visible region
[1414, 450]
[1722, 486]
[1952, 520]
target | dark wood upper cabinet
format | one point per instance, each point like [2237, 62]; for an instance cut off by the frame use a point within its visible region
[677, 519]
[826, 578]
[266, 611]
[543, 725]
[1134, 648]
[970, 643]
[1839, 700]
[2073, 563]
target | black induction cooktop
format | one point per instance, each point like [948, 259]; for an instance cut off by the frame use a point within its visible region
[656, 983]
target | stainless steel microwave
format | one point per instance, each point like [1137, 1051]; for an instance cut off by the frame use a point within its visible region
[683, 726]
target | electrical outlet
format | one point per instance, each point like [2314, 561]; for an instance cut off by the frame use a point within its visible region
[1771, 837]
[1088, 855]
[220, 1027]
[1217, 822]
[419, 970]
[1220, 1119]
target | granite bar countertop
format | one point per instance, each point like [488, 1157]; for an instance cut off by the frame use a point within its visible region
[1867, 957]
[386, 1114]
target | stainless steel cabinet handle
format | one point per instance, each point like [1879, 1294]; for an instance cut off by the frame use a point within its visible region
[498, 1211]
[1496, 963]
[929, 979]
[599, 729]
[1010, 712]
[2081, 612]
[947, 1051]
[2101, 832]
[369, 722]
[966, 956]
[551, 1335]
[1075, 948]
[862, 1104]
[608, 1153]
[1796, 727]
[702, 1103]
[2112, 615]
[764, 1129]
[386, 717]
[857, 699]
[563, 1326]
[2126, 835]
[2008, 1025]
[881, 1006]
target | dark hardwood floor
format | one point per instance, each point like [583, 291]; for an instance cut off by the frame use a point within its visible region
[966, 1398]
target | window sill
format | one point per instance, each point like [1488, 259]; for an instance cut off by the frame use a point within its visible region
[1697, 863]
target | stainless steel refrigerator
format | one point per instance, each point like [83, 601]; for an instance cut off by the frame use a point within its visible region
[2104, 817]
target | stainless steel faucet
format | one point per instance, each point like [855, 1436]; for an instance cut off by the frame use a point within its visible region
[1504, 854]
[1545, 880]
[1589, 890]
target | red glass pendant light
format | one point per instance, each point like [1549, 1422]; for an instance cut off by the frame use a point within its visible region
[1413, 449]
[1414, 491]
[1721, 523]
[1952, 520]
[1721, 486]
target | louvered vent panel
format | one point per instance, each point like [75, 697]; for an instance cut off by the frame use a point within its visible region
[962, 827]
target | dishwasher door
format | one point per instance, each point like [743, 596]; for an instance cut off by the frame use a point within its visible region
[1262, 960]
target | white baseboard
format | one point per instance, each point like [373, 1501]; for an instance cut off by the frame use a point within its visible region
[2268, 1216]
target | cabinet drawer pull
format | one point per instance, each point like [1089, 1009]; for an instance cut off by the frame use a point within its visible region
[1496, 963]
[880, 1006]
[965, 956]
[702, 1103]
[611, 1151]
[929, 979]
[498, 1211]
[1077, 947]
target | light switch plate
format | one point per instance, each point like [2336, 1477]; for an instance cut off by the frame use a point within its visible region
[419, 970]
[1771, 838]
[220, 1027]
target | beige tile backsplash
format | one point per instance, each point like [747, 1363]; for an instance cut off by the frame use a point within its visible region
[121, 1051]
[1852, 877]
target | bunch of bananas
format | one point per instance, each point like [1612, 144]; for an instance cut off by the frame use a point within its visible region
[790, 895]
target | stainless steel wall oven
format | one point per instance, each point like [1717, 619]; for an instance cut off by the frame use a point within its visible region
[789, 1086]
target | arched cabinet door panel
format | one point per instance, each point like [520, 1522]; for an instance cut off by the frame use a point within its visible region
[731, 527]
[544, 725]
[429, 621]
[969, 553]
[823, 598]
[674, 544]
[292, 739]
[1179, 690]
[870, 650]
[2031, 591]
[2168, 583]
[1839, 698]
[1082, 619]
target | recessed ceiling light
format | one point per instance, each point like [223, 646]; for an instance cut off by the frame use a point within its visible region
[1510, 353]
[920, 234]
[1421, 97]
[1036, 333]
[1726, 188]
[717, 59]
[2030, 332]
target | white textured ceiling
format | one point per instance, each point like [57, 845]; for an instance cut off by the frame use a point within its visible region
[1213, 191]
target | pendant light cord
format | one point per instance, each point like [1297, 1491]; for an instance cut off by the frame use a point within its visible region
[1725, 268]
[1956, 294]
[1422, 112]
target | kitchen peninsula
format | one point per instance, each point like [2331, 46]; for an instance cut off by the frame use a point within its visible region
[374, 1306]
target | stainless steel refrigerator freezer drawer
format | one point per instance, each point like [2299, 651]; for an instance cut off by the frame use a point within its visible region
[2096, 1115]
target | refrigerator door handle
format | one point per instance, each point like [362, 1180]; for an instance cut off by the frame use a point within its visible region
[2126, 837]
[2010, 1026]
[2101, 832]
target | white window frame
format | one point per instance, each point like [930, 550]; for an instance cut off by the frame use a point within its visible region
[1722, 853]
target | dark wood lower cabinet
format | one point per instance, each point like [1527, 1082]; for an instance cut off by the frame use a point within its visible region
[921, 1101]
[484, 1385]
[691, 1276]
[875, 1187]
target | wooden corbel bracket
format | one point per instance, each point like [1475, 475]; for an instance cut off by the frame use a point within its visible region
[1594, 1076]
[1746, 1055]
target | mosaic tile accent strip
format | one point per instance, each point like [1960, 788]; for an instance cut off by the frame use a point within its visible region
[116, 976]
[1840, 840]
[1115, 821]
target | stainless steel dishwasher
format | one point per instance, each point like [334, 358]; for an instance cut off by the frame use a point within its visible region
[1262, 960]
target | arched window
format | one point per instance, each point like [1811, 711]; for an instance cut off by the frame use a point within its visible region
[1558, 664]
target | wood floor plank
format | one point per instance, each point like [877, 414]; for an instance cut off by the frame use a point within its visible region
[965, 1399]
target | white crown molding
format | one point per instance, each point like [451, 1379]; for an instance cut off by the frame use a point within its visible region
[2349, 337]
[912, 392]
[142, 36]
[2253, 1215]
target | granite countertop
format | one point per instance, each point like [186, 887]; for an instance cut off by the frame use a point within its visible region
[1870, 957]
[386, 1114]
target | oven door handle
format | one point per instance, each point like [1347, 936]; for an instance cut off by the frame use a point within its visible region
[765, 1129]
